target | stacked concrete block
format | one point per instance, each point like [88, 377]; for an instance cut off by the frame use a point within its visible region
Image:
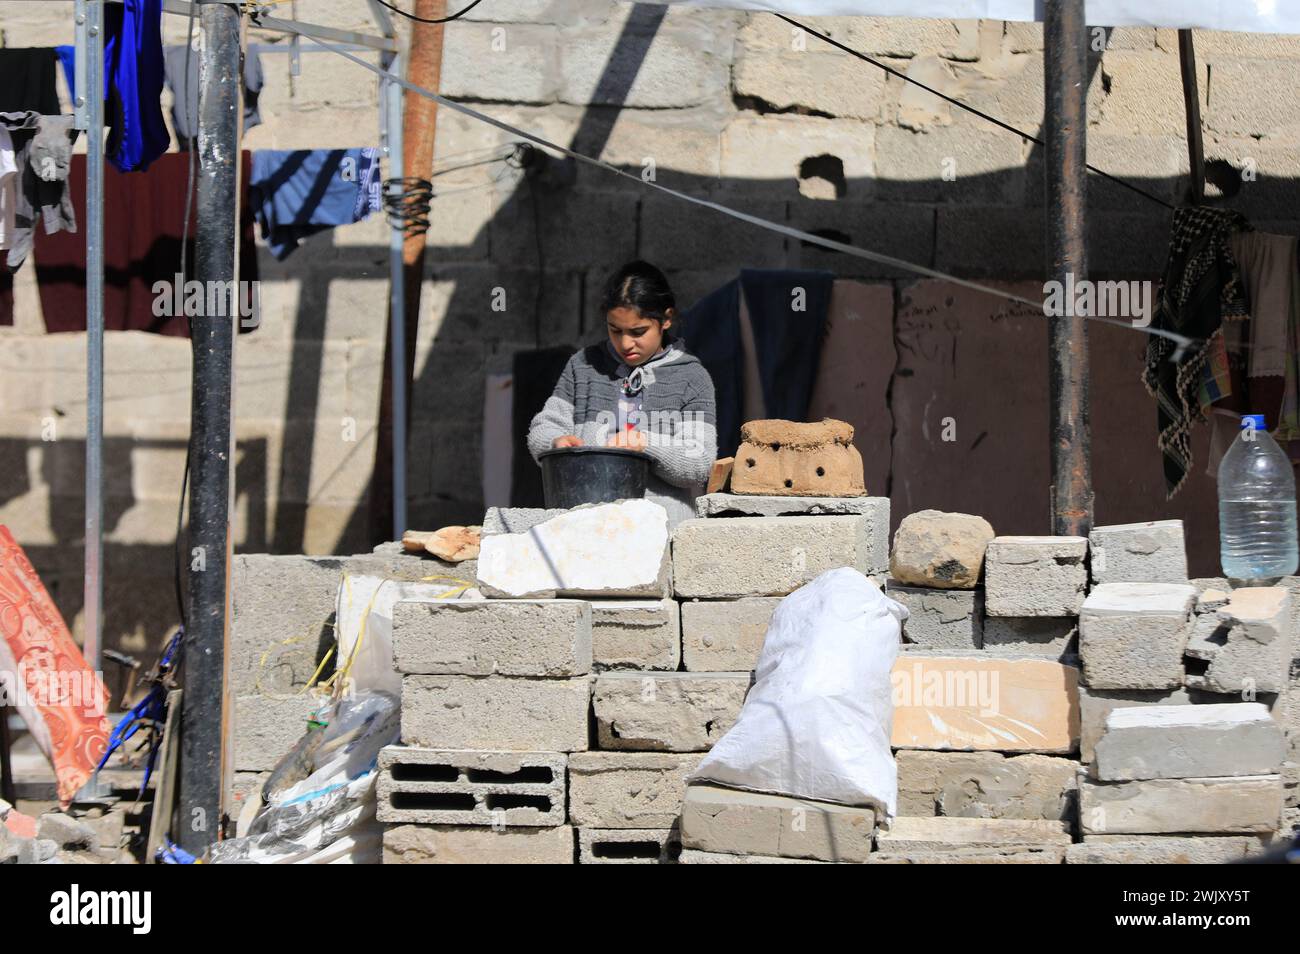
[986, 785]
[636, 634]
[950, 620]
[1035, 576]
[1237, 805]
[1164, 849]
[639, 790]
[646, 846]
[726, 821]
[933, 840]
[1056, 637]
[725, 635]
[1151, 552]
[666, 712]
[452, 787]
[495, 713]
[1132, 635]
[460, 845]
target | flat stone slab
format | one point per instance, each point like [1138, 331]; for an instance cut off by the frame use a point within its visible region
[1140, 599]
[1209, 741]
[759, 505]
[1016, 855]
[978, 702]
[516, 519]
[615, 549]
[1181, 806]
[752, 823]
[909, 834]
[986, 785]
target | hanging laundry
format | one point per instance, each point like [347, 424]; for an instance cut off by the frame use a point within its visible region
[8, 188]
[299, 192]
[185, 108]
[67, 54]
[41, 179]
[1200, 290]
[27, 81]
[144, 224]
[133, 73]
[786, 312]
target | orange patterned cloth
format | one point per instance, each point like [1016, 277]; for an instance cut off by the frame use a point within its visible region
[43, 672]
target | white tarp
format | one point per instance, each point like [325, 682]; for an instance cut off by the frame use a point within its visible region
[1244, 16]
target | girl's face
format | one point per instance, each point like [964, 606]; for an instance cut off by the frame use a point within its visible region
[635, 337]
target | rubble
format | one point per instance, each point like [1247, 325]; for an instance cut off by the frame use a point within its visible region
[759, 505]
[1244, 645]
[940, 550]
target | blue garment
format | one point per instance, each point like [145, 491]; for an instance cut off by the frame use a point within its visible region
[298, 192]
[787, 343]
[133, 79]
[67, 55]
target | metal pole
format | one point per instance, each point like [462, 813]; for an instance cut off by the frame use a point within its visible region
[204, 709]
[1065, 45]
[93, 92]
[397, 304]
[1192, 110]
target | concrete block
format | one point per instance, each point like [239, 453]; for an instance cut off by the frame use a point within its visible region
[267, 726]
[1151, 552]
[279, 630]
[940, 550]
[1035, 576]
[1210, 741]
[752, 823]
[493, 637]
[613, 549]
[1051, 636]
[760, 505]
[1250, 803]
[691, 857]
[1132, 635]
[809, 81]
[940, 619]
[495, 712]
[636, 634]
[979, 702]
[444, 845]
[1014, 855]
[725, 635]
[986, 785]
[628, 846]
[628, 789]
[441, 787]
[957, 163]
[771, 556]
[1162, 849]
[1247, 646]
[668, 712]
[771, 150]
[913, 834]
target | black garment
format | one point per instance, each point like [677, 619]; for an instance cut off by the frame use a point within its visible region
[1200, 289]
[27, 82]
[787, 312]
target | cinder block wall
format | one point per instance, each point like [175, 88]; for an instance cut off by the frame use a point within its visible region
[720, 103]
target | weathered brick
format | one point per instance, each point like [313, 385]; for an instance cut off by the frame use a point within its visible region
[628, 789]
[441, 787]
[751, 823]
[1186, 805]
[1132, 635]
[770, 556]
[493, 637]
[725, 635]
[495, 712]
[442, 845]
[636, 634]
[1212, 741]
[667, 711]
[1035, 576]
[1138, 553]
[628, 846]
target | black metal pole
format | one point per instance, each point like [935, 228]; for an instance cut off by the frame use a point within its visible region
[1065, 75]
[204, 711]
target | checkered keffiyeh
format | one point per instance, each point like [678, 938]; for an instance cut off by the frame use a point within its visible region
[1200, 289]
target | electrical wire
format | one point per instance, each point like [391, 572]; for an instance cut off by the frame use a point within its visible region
[412, 16]
[1181, 341]
[960, 105]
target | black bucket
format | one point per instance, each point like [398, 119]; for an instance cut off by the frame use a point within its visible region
[572, 476]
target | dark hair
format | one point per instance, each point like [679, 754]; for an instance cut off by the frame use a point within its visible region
[641, 286]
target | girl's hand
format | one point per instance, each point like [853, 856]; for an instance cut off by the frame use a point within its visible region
[632, 440]
[567, 440]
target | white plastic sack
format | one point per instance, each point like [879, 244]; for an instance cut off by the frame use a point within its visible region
[817, 720]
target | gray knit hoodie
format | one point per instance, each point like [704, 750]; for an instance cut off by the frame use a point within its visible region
[677, 417]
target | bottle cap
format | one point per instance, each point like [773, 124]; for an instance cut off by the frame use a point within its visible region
[1255, 421]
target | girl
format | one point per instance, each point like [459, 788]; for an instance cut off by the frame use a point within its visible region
[639, 389]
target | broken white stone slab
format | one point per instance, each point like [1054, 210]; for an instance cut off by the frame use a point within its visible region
[943, 834]
[1210, 741]
[614, 549]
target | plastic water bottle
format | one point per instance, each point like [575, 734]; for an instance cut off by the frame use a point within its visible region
[1257, 508]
